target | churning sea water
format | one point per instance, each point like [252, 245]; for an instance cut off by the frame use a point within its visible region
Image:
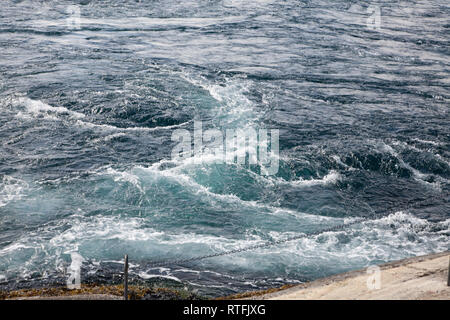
[92, 91]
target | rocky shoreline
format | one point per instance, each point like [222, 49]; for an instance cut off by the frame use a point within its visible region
[99, 292]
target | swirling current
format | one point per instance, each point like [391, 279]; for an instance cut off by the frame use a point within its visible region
[92, 91]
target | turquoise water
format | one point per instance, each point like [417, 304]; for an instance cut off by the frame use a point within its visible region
[87, 112]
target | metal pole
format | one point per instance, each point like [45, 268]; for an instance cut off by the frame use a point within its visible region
[448, 273]
[125, 279]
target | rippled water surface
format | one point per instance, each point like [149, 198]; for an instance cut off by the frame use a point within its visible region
[88, 107]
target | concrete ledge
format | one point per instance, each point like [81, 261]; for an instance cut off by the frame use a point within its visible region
[423, 277]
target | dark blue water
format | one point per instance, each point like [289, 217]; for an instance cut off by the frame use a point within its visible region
[87, 110]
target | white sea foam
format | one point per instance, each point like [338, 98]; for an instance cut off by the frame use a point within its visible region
[331, 178]
[434, 143]
[36, 109]
[127, 177]
[234, 109]
[11, 189]
[39, 109]
[109, 137]
[398, 230]
[405, 145]
[338, 160]
[394, 236]
[177, 176]
[107, 127]
[146, 275]
[146, 22]
[14, 247]
[418, 176]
